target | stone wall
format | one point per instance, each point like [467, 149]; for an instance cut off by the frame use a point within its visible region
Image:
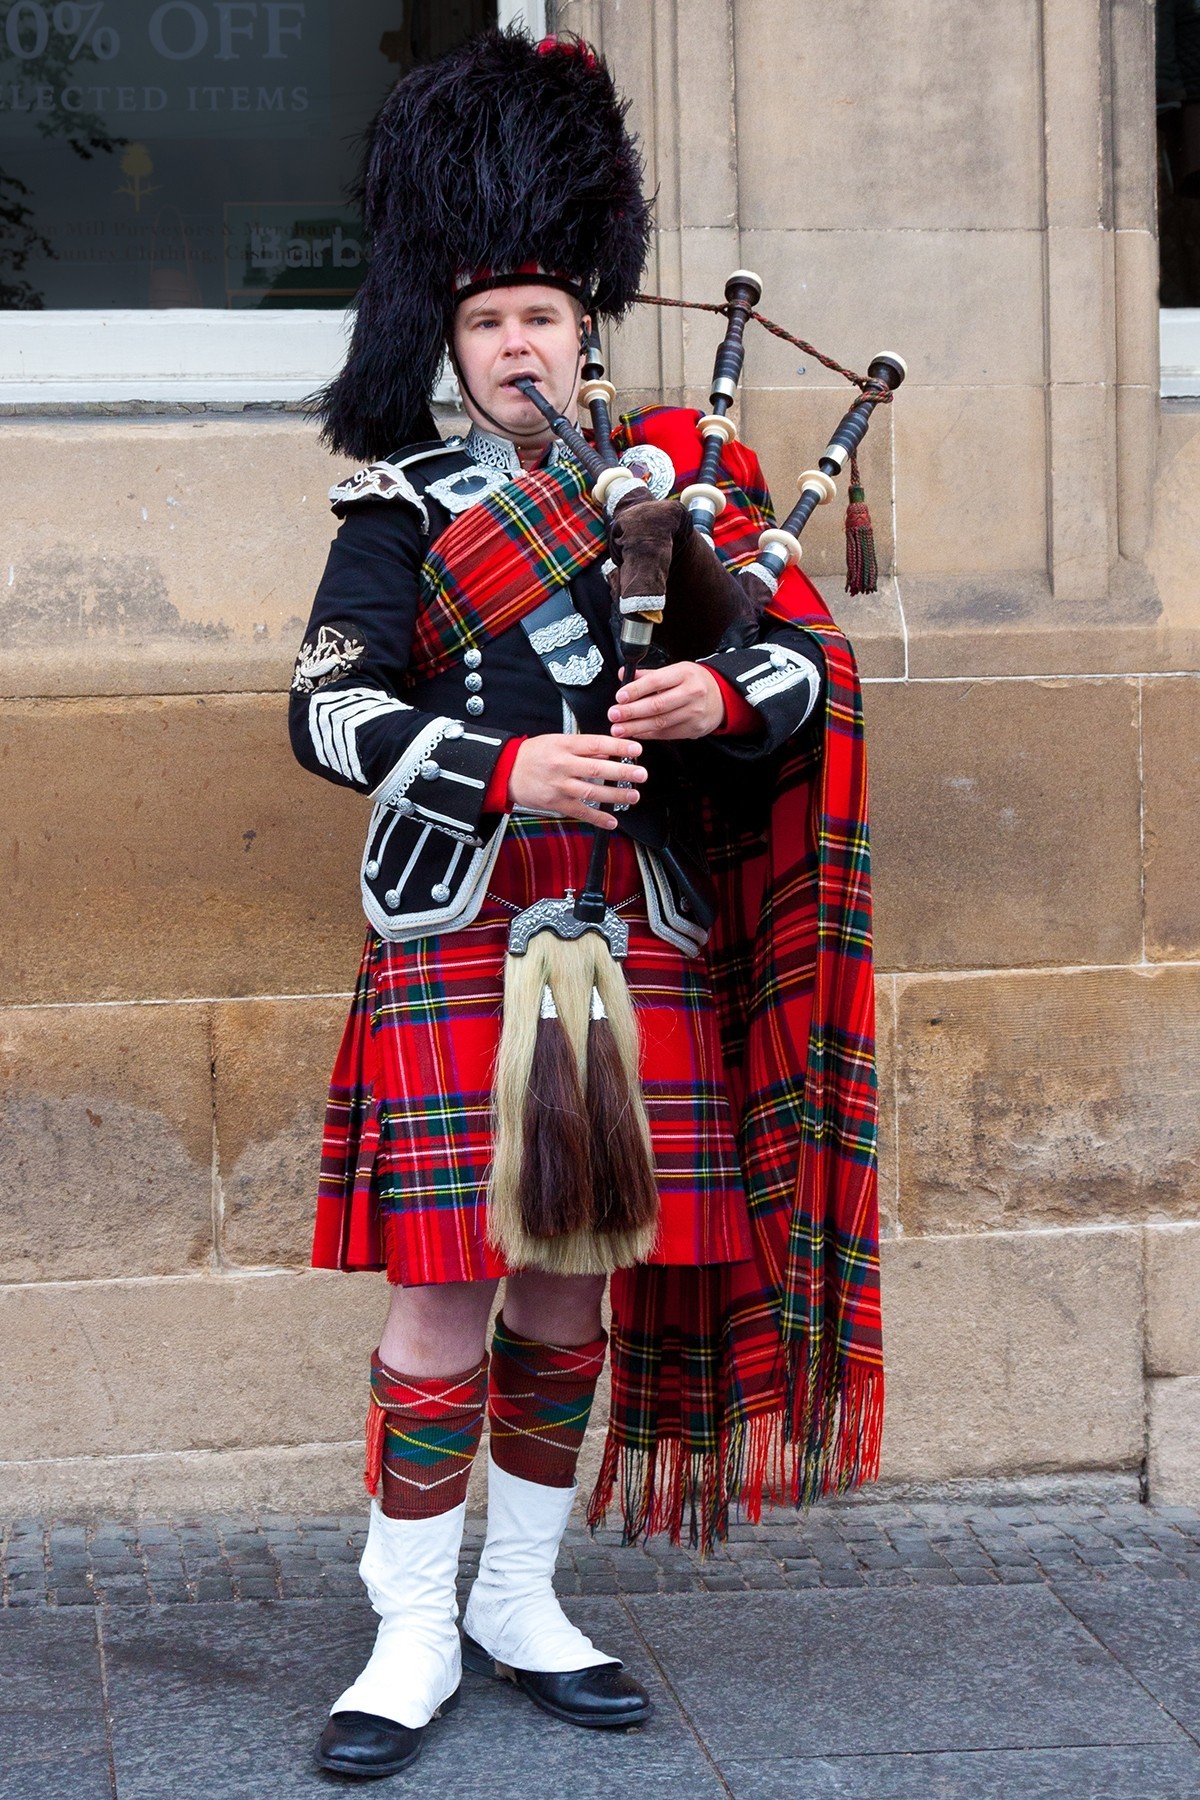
[181, 924]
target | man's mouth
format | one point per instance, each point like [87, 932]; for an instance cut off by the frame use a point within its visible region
[522, 375]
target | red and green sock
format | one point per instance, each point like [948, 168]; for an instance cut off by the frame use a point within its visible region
[422, 1435]
[539, 1401]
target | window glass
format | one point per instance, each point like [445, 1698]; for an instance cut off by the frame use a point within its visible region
[161, 153]
[1178, 80]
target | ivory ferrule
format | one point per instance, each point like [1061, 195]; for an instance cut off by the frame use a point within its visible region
[716, 425]
[612, 485]
[597, 390]
[816, 481]
[784, 544]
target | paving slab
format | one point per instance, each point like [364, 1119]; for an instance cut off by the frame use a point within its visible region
[221, 1703]
[892, 1670]
[1152, 1772]
[53, 1744]
[1154, 1633]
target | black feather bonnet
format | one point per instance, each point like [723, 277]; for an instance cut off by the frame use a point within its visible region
[502, 155]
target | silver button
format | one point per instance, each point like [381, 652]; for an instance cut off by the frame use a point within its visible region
[472, 658]
[392, 897]
[430, 770]
[453, 730]
[473, 683]
[372, 869]
[440, 892]
[779, 659]
[404, 806]
[474, 706]
[455, 442]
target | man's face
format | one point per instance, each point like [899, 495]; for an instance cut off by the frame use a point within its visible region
[510, 331]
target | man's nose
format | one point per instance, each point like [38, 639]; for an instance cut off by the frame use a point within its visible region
[516, 341]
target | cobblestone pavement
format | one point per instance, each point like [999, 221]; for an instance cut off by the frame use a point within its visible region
[869, 1651]
[268, 1557]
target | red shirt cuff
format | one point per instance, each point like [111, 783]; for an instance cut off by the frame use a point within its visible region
[741, 719]
[495, 800]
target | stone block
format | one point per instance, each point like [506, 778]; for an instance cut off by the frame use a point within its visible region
[1134, 152]
[1135, 255]
[212, 1363]
[1049, 1098]
[105, 1141]
[1018, 625]
[1174, 1460]
[970, 480]
[312, 1480]
[851, 81]
[1173, 558]
[271, 1060]
[1074, 125]
[1012, 1354]
[1079, 299]
[166, 554]
[177, 848]
[1171, 776]
[1004, 823]
[1082, 515]
[930, 295]
[1172, 1303]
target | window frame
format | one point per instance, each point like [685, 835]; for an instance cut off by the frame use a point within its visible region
[1179, 352]
[205, 355]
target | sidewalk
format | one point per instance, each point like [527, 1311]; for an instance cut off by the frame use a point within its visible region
[868, 1652]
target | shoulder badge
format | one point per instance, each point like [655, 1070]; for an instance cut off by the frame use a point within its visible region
[465, 487]
[378, 481]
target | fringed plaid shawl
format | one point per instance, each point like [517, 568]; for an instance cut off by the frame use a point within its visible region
[741, 1380]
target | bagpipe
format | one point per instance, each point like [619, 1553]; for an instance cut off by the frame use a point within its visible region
[572, 1188]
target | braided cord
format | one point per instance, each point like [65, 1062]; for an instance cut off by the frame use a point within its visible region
[710, 306]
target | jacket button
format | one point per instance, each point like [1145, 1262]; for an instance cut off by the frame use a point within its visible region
[430, 770]
[392, 897]
[474, 706]
[440, 892]
[453, 730]
[372, 869]
[404, 806]
[472, 658]
[779, 659]
[473, 683]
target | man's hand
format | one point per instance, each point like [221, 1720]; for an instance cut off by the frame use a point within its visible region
[683, 700]
[568, 775]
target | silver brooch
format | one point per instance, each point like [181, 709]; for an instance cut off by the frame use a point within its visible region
[651, 465]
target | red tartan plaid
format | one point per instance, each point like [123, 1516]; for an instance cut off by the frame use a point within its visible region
[408, 1128]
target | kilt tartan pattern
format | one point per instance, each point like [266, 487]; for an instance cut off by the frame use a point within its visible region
[408, 1127]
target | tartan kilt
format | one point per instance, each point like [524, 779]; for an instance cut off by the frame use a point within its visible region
[407, 1141]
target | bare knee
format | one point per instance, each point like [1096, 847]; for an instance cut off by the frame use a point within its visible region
[437, 1330]
[554, 1309]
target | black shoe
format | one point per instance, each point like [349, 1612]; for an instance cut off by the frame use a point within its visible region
[364, 1746]
[602, 1698]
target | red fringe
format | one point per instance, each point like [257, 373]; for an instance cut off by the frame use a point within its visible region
[835, 1449]
[376, 1438]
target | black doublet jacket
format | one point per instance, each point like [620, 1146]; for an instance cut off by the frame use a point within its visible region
[425, 749]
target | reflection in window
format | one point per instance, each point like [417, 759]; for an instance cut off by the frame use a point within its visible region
[1178, 83]
[164, 153]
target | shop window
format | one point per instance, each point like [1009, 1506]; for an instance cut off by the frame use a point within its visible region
[1178, 94]
[173, 181]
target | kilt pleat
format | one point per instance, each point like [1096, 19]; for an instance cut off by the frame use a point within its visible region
[407, 1142]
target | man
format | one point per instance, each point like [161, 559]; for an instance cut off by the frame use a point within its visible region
[461, 666]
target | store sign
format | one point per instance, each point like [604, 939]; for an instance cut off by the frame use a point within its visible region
[165, 68]
[276, 253]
